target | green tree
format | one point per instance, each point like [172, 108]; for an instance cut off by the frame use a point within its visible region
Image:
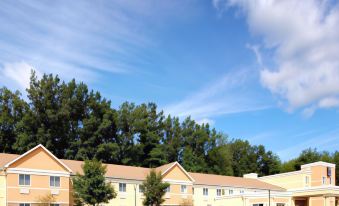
[91, 187]
[154, 189]
[12, 110]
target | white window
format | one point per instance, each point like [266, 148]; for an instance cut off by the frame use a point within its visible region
[280, 204]
[330, 180]
[307, 180]
[141, 189]
[54, 181]
[24, 180]
[122, 187]
[25, 204]
[168, 189]
[205, 191]
[183, 189]
[230, 192]
[241, 191]
[260, 204]
[324, 180]
[218, 192]
[54, 204]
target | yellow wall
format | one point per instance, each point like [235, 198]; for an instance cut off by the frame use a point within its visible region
[2, 190]
[288, 181]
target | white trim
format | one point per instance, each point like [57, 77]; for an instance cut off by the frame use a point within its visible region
[179, 182]
[36, 188]
[316, 188]
[37, 172]
[299, 172]
[177, 163]
[319, 163]
[30, 202]
[31, 150]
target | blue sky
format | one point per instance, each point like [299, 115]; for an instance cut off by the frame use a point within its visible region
[265, 71]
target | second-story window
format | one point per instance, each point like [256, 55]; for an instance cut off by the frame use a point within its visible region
[24, 180]
[168, 189]
[122, 187]
[183, 189]
[54, 181]
[219, 192]
[307, 180]
[205, 191]
[141, 189]
[230, 192]
[324, 180]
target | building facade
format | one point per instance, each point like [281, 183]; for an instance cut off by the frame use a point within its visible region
[38, 177]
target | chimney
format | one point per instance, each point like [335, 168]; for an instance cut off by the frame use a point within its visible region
[251, 175]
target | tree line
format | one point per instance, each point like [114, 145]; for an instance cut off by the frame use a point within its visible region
[74, 122]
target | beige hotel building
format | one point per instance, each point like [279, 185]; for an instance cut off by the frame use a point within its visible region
[25, 179]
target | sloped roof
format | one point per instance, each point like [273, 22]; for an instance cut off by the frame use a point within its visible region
[40, 146]
[113, 170]
[6, 158]
[140, 173]
[220, 180]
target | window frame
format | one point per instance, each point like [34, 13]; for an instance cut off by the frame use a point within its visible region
[168, 189]
[205, 191]
[24, 204]
[54, 177]
[280, 204]
[323, 180]
[230, 192]
[122, 186]
[25, 175]
[141, 189]
[54, 204]
[183, 189]
[219, 192]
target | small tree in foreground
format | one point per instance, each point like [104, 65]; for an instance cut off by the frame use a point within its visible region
[154, 189]
[91, 187]
[45, 200]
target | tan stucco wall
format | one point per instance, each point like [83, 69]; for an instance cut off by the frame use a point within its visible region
[176, 173]
[38, 159]
[39, 187]
[321, 171]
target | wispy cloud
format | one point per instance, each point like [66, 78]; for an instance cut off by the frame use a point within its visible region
[322, 141]
[304, 45]
[230, 94]
[81, 39]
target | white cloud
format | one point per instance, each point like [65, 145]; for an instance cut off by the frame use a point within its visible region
[304, 39]
[17, 74]
[205, 121]
[230, 94]
[82, 39]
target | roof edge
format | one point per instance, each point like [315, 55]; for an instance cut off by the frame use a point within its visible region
[34, 148]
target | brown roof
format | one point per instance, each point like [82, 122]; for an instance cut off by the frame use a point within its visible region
[6, 158]
[115, 171]
[220, 180]
[140, 173]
